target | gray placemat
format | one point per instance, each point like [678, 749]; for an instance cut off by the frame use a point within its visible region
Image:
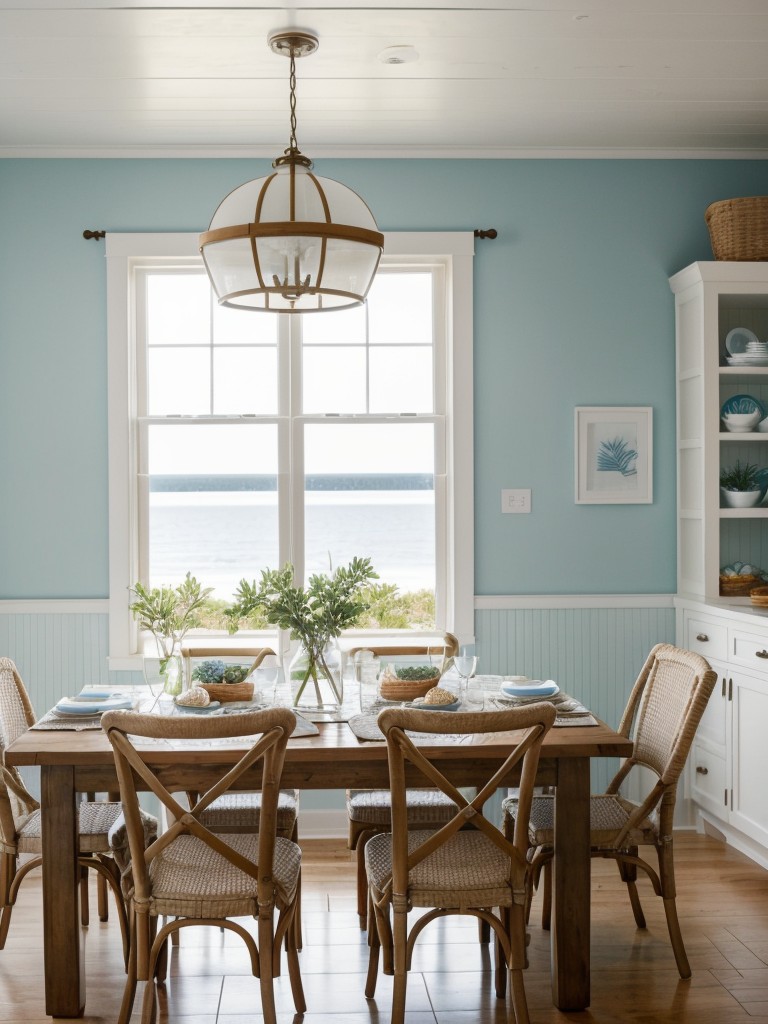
[366, 727]
[50, 722]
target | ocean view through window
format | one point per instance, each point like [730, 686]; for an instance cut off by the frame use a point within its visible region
[261, 439]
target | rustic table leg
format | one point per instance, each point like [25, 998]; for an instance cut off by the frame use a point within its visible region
[63, 936]
[571, 887]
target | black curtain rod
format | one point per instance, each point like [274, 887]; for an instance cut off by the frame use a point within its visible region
[479, 233]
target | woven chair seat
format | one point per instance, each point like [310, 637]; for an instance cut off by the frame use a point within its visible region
[189, 879]
[94, 822]
[374, 807]
[466, 871]
[608, 814]
[243, 811]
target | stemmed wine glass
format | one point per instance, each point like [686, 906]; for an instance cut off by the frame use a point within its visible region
[466, 664]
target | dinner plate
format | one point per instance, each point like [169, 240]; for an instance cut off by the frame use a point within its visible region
[742, 405]
[747, 360]
[736, 341]
[73, 707]
[419, 703]
[533, 688]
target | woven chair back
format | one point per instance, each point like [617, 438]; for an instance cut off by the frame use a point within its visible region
[270, 731]
[665, 706]
[445, 649]
[16, 716]
[528, 724]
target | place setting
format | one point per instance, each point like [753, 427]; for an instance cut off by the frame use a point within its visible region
[84, 710]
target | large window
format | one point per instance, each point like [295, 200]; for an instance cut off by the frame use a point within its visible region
[244, 440]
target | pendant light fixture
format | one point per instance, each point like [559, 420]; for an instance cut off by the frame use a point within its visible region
[292, 242]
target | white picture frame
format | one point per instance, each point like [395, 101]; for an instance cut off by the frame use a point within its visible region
[614, 455]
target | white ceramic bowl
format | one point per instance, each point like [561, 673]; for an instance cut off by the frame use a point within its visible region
[740, 499]
[741, 423]
[762, 426]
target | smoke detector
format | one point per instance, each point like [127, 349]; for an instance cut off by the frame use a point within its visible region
[399, 55]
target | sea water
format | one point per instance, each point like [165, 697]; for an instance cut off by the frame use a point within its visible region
[225, 536]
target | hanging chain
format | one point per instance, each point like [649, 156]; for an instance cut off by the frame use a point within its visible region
[292, 141]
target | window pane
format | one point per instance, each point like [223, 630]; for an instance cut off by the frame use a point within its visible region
[334, 380]
[401, 379]
[178, 309]
[369, 492]
[179, 382]
[212, 503]
[400, 309]
[245, 381]
[239, 327]
[346, 327]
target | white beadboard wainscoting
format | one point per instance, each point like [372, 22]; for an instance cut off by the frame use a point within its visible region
[594, 646]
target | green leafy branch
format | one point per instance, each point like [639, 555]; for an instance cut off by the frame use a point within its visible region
[313, 615]
[168, 613]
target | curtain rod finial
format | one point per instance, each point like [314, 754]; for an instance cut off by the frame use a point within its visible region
[94, 234]
[486, 233]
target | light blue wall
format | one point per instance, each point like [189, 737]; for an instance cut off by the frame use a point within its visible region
[572, 307]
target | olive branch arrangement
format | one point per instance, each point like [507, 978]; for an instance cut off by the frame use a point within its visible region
[313, 615]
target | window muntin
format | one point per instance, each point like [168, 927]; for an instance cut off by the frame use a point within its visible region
[130, 256]
[367, 487]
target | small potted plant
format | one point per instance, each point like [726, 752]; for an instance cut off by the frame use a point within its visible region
[740, 485]
[314, 616]
[168, 613]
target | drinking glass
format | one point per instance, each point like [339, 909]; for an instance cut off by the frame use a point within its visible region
[367, 670]
[466, 664]
[266, 679]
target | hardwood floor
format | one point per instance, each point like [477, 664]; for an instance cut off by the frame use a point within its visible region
[722, 900]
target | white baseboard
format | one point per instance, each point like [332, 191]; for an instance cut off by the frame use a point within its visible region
[330, 824]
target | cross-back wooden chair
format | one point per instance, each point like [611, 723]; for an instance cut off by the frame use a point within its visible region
[468, 866]
[369, 811]
[663, 713]
[199, 877]
[20, 825]
[241, 812]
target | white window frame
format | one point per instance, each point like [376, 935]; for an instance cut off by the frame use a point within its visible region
[454, 475]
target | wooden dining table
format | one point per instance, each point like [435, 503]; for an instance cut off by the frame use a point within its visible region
[76, 762]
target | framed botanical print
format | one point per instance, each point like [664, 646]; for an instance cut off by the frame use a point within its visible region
[614, 455]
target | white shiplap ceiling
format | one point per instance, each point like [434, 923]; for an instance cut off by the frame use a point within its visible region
[493, 79]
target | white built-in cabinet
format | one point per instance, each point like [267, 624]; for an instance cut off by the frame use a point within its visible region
[728, 767]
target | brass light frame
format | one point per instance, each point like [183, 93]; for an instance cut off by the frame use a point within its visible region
[300, 276]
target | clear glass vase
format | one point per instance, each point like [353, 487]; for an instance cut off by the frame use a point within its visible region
[316, 679]
[165, 674]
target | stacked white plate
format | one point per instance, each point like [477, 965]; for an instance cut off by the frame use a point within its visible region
[745, 349]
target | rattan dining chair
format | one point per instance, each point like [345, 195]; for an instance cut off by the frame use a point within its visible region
[20, 824]
[662, 715]
[198, 877]
[241, 812]
[466, 867]
[369, 811]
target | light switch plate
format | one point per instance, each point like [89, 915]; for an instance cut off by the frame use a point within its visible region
[516, 500]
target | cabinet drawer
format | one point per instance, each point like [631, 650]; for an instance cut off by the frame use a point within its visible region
[749, 650]
[706, 637]
[709, 780]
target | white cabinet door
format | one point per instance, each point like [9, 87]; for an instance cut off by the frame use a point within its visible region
[749, 751]
[709, 759]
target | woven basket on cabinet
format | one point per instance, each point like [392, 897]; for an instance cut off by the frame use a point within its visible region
[738, 228]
